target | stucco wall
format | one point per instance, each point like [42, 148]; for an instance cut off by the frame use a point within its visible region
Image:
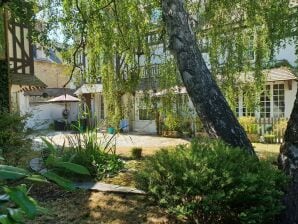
[43, 114]
[290, 96]
[52, 74]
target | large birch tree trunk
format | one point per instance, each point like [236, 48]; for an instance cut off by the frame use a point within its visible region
[288, 161]
[210, 104]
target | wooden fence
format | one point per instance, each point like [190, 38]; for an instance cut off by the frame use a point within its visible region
[271, 130]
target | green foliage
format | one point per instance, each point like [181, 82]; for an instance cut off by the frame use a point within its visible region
[249, 124]
[280, 126]
[86, 154]
[11, 131]
[15, 202]
[210, 182]
[13, 138]
[12, 173]
[136, 152]
[172, 122]
[199, 124]
[240, 38]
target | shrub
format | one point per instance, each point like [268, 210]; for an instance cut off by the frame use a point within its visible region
[13, 138]
[11, 131]
[249, 124]
[199, 125]
[88, 150]
[210, 182]
[280, 127]
[172, 122]
[15, 203]
[136, 152]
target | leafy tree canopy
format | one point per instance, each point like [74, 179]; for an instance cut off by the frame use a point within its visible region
[239, 36]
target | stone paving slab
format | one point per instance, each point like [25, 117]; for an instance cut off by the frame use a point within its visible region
[37, 165]
[99, 186]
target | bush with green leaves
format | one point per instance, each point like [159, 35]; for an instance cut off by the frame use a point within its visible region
[211, 182]
[95, 153]
[13, 138]
[172, 122]
[249, 124]
[136, 152]
[15, 202]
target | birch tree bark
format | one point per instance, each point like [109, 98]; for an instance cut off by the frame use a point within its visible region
[210, 104]
[288, 161]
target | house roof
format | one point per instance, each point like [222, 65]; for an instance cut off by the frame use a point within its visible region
[271, 75]
[50, 92]
[27, 80]
[280, 74]
[89, 88]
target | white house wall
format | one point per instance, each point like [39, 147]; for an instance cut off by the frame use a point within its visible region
[96, 106]
[42, 115]
[290, 96]
[148, 126]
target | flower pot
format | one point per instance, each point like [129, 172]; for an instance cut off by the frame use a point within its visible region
[111, 130]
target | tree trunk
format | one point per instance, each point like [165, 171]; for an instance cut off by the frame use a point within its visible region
[4, 86]
[288, 161]
[4, 77]
[210, 104]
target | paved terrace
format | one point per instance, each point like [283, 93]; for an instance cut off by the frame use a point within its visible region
[123, 142]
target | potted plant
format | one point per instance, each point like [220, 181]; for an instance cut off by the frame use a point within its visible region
[113, 124]
[172, 124]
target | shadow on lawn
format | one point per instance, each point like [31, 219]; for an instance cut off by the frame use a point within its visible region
[85, 207]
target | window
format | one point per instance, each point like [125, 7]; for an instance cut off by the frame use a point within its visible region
[246, 112]
[145, 110]
[237, 110]
[244, 109]
[265, 103]
[150, 71]
[248, 104]
[278, 100]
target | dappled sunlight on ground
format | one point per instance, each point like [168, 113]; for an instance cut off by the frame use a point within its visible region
[85, 207]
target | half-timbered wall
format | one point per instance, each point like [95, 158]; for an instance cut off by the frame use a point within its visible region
[20, 49]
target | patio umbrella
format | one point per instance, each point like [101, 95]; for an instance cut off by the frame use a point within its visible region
[64, 99]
